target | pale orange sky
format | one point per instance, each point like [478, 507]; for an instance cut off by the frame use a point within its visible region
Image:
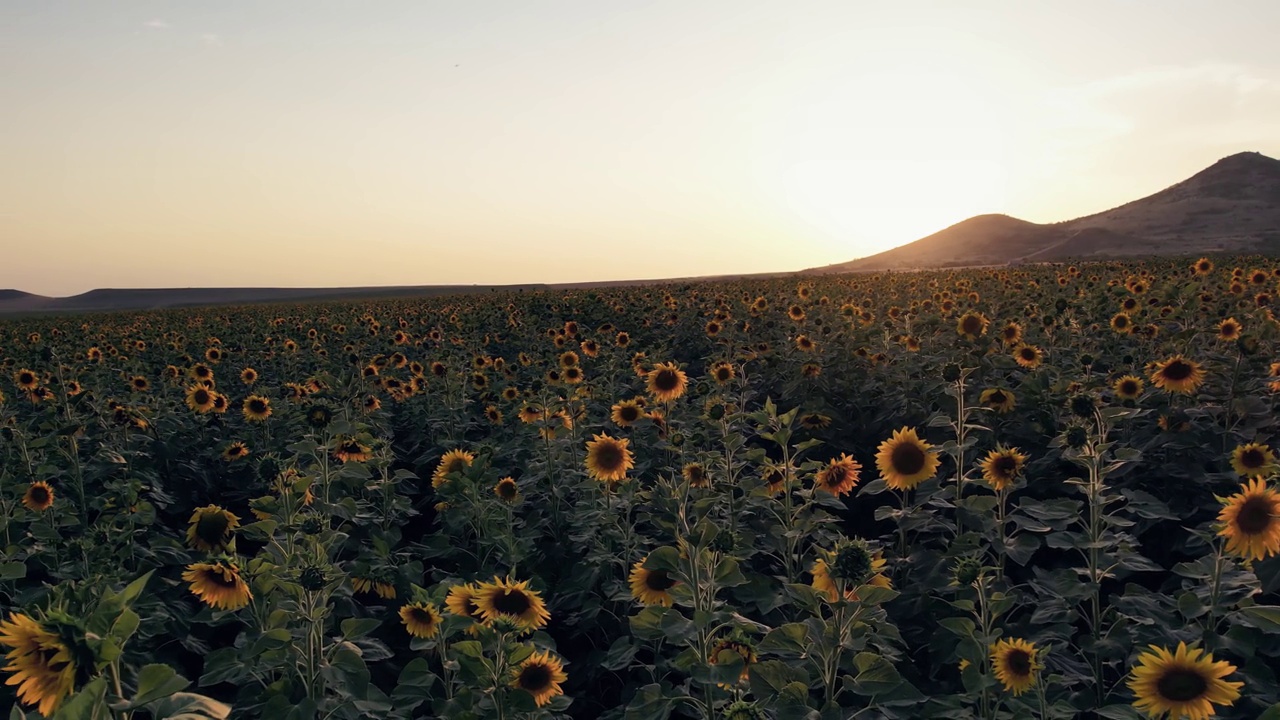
[163, 144]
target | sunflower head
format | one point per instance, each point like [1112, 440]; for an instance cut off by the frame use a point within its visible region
[840, 475]
[1184, 682]
[1002, 466]
[608, 458]
[211, 529]
[1177, 374]
[651, 586]
[506, 599]
[42, 662]
[1251, 521]
[1253, 460]
[540, 675]
[1015, 664]
[218, 585]
[905, 461]
[666, 382]
[507, 490]
[421, 620]
[38, 497]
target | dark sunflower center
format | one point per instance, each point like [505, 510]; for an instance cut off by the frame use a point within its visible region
[629, 413]
[1255, 516]
[222, 577]
[1027, 354]
[454, 465]
[1005, 466]
[535, 678]
[507, 490]
[1018, 662]
[257, 406]
[201, 397]
[997, 398]
[658, 580]
[609, 456]
[971, 325]
[666, 380]
[1181, 685]
[1177, 370]
[422, 617]
[212, 527]
[1122, 321]
[39, 495]
[1129, 387]
[511, 602]
[26, 378]
[1253, 458]
[907, 458]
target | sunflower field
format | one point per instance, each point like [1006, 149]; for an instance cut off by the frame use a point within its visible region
[1040, 491]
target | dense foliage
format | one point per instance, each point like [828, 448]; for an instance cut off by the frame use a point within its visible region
[1041, 491]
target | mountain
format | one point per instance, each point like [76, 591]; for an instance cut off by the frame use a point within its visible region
[1230, 206]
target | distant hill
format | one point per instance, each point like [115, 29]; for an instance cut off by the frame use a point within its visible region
[1231, 206]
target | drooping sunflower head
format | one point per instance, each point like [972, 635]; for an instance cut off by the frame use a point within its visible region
[1177, 374]
[1002, 466]
[38, 497]
[461, 601]
[696, 475]
[1253, 460]
[1185, 682]
[608, 458]
[905, 461]
[235, 451]
[540, 675]
[504, 598]
[218, 585]
[666, 382]
[736, 647]
[507, 490]
[350, 449]
[840, 475]
[998, 399]
[42, 664]
[651, 587]
[1251, 521]
[1015, 664]
[211, 529]
[421, 620]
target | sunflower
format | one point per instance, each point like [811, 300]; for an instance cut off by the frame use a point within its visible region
[608, 459]
[998, 399]
[650, 587]
[139, 383]
[507, 490]
[38, 497]
[1028, 356]
[839, 476]
[1251, 521]
[256, 408]
[235, 451]
[26, 379]
[972, 325]
[455, 460]
[369, 585]
[218, 585]
[1253, 460]
[666, 382]
[211, 528]
[1011, 334]
[815, 421]
[696, 475]
[1015, 665]
[461, 601]
[1122, 323]
[514, 601]
[540, 675]
[248, 376]
[860, 567]
[905, 460]
[626, 413]
[1177, 374]
[1128, 387]
[722, 372]
[41, 663]
[421, 620]
[352, 450]
[1203, 266]
[1229, 329]
[727, 649]
[1186, 682]
[1002, 466]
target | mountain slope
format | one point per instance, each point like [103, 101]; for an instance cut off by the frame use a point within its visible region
[1231, 206]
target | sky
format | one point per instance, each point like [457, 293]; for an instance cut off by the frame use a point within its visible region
[178, 143]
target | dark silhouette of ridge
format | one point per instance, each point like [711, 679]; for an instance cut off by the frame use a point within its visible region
[1231, 206]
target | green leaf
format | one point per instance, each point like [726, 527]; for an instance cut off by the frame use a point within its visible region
[353, 628]
[87, 704]
[789, 639]
[663, 558]
[650, 703]
[470, 648]
[620, 654]
[126, 625]
[728, 573]
[13, 570]
[133, 590]
[1263, 617]
[875, 674]
[157, 681]
[1271, 713]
